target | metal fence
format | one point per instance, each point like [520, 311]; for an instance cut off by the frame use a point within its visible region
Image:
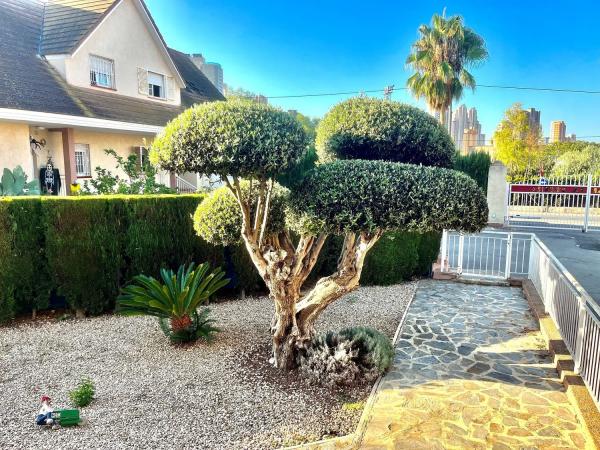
[560, 203]
[503, 255]
[489, 254]
[575, 313]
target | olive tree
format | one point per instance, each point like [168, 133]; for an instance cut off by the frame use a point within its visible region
[248, 145]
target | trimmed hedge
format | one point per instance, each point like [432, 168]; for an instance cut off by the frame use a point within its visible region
[396, 257]
[87, 248]
[476, 165]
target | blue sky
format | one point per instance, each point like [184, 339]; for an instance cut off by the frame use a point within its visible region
[283, 48]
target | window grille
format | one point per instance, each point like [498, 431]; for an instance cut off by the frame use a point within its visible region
[102, 72]
[82, 160]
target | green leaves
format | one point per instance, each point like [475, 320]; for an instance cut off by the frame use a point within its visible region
[178, 296]
[239, 138]
[373, 129]
[218, 219]
[359, 195]
[15, 183]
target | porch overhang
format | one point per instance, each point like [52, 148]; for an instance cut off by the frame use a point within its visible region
[51, 120]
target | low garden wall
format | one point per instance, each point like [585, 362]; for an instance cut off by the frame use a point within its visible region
[84, 249]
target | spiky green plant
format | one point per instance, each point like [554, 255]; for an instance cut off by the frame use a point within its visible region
[175, 299]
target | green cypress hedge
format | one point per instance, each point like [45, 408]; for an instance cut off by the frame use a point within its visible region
[87, 248]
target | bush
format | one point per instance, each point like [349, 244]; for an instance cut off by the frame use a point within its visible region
[366, 196]
[24, 279]
[347, 357]
[476, 165]
[218, 218]
[175, 298]
[84, 250]
[83, 395]
[373, 129]
[201, 328]
[238, 138]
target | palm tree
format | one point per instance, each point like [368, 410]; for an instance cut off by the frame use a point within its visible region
[440, 58]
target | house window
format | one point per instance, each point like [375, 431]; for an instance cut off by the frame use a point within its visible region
[82, 160]
[102, 72]
[156, 85]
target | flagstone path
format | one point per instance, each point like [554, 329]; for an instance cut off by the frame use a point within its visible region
[471, 372]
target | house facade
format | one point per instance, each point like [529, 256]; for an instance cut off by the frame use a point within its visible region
[81, 76]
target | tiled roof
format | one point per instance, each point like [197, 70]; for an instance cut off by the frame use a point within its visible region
[67, 22]
[198, 87]
[29, 82]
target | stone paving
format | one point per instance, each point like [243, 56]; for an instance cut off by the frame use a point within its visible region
[471, 371]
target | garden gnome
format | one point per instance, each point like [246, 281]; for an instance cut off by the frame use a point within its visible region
[44, 417]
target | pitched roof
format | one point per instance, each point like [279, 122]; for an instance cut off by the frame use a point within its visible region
[198, 88]
[43, 89]
[67, 22]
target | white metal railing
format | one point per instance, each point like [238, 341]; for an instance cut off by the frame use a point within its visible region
[559, 202]
[489, 254]
[575, 313]
[184, 187]
[503, 255]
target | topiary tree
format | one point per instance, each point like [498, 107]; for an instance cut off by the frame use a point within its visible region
[248, 144]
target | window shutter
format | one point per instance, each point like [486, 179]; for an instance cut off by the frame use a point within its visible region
[142, 81]
[171, 88]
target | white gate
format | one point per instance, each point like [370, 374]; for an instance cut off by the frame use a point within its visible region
[559, 203]
[489, 254]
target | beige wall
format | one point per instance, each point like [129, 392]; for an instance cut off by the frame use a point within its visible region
[123, 144]
[125, 38]
[14, 148]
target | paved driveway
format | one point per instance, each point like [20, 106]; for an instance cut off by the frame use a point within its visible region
[471, 371]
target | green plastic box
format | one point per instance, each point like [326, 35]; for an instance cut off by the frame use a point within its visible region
[66, 417]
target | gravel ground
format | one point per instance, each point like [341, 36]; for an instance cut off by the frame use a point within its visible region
[222, 395]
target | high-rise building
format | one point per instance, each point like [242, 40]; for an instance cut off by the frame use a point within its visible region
[466, 129]
[470, 140]
[558, 130]
[459, 124]
[213, 71]
[571, 137]
[437, 115]
[534, 118]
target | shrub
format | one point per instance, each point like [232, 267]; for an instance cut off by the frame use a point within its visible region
[218, 219]
[347, 357]
[84, 250]
[356, 195]
[201, 327]
[160, 234]
[239, 138]
[175, 299]
[15, 183]
[476, 165]
[83, 395]
[24, 282]
[393, 258]
[371, 129]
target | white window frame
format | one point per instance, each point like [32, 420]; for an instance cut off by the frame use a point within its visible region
[83, 166]
[163, 88]
[102, 68]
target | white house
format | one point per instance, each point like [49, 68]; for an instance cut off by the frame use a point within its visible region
[81, 76]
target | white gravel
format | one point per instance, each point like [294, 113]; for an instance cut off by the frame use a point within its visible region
[149, 394]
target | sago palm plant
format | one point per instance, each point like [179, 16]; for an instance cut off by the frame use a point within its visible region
[176, 299]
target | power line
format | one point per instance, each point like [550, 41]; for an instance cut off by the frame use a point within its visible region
[488, 86]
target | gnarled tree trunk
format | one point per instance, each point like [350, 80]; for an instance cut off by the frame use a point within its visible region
[284, 273]
[284, 269]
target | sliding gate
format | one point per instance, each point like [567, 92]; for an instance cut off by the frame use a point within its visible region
[559, 203]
